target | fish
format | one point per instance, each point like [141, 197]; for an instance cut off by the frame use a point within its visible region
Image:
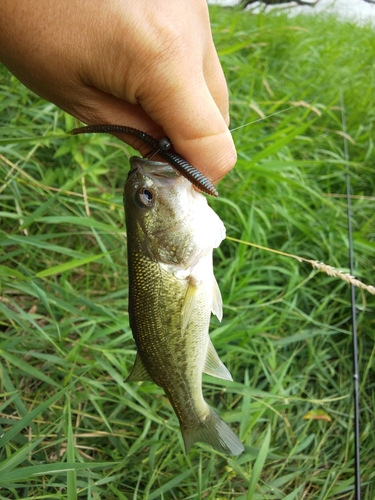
[171, 234]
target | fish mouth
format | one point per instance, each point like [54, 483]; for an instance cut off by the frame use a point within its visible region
[151, 168]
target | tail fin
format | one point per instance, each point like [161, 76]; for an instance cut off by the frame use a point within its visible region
[214, 431]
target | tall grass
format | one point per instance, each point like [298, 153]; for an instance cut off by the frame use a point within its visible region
[71, 427]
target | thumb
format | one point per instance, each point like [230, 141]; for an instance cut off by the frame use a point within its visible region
[200, 134]
[192, 120]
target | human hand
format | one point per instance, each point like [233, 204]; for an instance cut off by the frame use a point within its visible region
[147, 65]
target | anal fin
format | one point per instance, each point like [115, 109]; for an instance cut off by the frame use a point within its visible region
[214, 366]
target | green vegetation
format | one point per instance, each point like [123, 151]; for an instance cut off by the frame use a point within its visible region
[71, 427]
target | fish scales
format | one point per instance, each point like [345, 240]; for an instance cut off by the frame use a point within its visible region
[158, 336]
[171, 233]
[165, 351]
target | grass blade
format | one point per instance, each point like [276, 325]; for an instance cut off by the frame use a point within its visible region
[259, 463]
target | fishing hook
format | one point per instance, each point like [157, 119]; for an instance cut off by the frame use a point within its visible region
[162, 148]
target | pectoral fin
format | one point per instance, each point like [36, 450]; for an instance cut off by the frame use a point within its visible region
[217, 302]
[188, 306]
[138, 372]
[214, 366]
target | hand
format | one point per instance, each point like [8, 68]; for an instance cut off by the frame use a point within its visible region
[146, 64]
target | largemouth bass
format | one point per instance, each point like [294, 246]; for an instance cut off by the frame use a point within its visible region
[171, 234]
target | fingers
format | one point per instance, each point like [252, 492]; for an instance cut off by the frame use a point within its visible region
[192, 101]
[192, 108]
[190, 115]
[212, 152]
[170, 82]
[198, 130]
[155, 69]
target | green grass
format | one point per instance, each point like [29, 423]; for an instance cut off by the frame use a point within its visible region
[70, 427]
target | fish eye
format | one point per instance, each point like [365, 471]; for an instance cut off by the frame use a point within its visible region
[145, 198]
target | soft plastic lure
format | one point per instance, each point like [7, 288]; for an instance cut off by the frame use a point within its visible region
[162, 148]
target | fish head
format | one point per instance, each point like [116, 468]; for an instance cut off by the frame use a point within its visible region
[156, 194]
[167, 214]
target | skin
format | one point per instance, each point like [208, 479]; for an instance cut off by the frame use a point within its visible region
[151, 65]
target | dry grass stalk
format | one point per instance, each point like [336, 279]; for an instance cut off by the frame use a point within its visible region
[331, 271]
[320, 266]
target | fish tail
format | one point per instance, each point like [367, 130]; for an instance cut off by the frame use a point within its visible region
[214, 431]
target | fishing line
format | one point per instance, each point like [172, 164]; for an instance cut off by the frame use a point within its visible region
[262, 118]
[357, 455]
[164, 149]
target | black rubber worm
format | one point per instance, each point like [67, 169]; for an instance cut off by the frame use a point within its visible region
[162, 148]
